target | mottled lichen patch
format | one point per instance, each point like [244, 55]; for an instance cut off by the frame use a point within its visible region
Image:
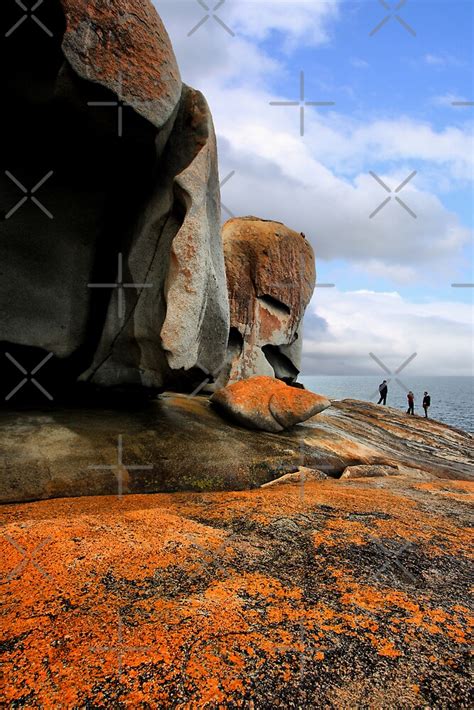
[325, 595]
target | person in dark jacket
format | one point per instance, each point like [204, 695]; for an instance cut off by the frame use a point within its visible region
[411, 403]
[383, 391]
[426, 403]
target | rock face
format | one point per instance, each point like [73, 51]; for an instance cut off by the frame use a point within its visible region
[268, 404]
[114, 260]
[180, 443]
[270, 277]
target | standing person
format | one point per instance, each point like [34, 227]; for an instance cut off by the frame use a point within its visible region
[411, 403]
[426, 403]
[383, 390]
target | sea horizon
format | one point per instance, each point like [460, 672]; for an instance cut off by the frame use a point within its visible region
[451, 395]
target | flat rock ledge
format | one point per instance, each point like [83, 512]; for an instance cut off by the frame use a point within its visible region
[179, 443]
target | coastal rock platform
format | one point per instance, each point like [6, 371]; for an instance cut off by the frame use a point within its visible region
[340, 592]
[179, 443]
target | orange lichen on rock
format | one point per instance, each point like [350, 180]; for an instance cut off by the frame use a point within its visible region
[124, 46]
[267, 403]
[185, 600]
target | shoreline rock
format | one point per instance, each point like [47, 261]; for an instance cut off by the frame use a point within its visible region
[302, 476]
[182, 444]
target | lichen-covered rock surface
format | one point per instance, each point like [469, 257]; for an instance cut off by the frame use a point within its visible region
[270, 277]
[180, 443]
[268, 404]
[115, 266]
[340, 594]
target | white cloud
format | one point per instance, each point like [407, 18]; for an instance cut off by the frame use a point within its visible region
[442, 60]
[276, 178]
[320, 184]
[342, 328]
[397, 273]
[212, 55]
[301, 22]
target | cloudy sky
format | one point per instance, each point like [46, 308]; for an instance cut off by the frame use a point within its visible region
[391, 77]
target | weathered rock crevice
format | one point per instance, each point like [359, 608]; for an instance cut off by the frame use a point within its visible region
[274, 303]
[282, 365]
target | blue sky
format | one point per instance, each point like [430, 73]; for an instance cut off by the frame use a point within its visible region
[393, 115]
[393, 74]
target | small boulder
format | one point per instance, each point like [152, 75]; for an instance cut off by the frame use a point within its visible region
[268, 404]
[302, 475]
[370, 471]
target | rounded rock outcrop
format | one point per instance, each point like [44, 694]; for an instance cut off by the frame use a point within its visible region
[270, 278]
[268, 404]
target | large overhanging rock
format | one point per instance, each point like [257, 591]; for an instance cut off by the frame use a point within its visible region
[271, 278]
[113, 262]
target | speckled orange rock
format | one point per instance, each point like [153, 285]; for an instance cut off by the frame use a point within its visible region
[268, 404]
[340, 594]
[123, 45]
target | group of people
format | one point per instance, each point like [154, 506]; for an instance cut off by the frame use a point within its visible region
[383, 391]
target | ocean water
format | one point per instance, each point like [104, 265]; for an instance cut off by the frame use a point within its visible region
[452, 398]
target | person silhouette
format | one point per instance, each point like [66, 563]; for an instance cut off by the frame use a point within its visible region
[426, 403]
[411, 403]
[383, 391]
